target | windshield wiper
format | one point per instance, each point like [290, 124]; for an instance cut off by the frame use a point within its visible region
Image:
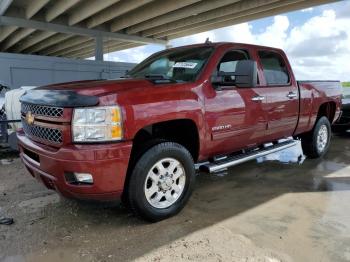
[125, 76]
[159, 78]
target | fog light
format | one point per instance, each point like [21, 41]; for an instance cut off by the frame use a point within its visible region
[84, 178]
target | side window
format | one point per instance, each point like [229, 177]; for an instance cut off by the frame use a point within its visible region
[275, 70]
[229, 62]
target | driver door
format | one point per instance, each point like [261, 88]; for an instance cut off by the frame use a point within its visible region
[235, 116]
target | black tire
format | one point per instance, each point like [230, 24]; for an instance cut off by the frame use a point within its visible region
[136, 192]
[136, 154]
[310, 142]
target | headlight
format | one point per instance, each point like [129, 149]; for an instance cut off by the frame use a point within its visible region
[97, 124]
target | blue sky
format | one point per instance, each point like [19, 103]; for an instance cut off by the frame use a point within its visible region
[317, 40]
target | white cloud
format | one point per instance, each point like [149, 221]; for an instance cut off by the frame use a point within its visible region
[318, 49]
[307, 10]
[132, 55]
[273, 35]
[276, 34]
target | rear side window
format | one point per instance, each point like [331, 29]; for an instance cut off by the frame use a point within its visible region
[275, 69]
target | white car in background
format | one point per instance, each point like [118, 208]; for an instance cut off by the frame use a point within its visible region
[10, 107]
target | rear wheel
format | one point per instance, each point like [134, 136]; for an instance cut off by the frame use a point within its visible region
[161, 182]
[316, 143]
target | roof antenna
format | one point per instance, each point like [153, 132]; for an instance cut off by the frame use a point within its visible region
[207, 41]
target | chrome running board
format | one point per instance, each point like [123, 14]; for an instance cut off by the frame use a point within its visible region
[244, 157]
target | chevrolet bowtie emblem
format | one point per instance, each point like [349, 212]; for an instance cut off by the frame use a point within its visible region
[29, 118]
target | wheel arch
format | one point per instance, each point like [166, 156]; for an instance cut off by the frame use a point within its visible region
[164, 131]
[327, 109]
[183, 131]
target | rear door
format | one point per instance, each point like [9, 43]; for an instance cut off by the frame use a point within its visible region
[281, 93]
[235, 116]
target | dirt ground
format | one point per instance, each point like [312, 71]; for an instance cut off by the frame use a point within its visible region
[260, 211]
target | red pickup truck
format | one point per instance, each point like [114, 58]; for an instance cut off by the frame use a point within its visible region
[139, 138]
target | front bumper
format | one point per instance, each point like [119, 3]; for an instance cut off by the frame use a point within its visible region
[107, 163]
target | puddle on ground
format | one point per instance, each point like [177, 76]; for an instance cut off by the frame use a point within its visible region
[292, 155]
[6, 161]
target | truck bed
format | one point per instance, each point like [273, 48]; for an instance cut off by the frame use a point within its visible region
[312, 95]
[326, 90]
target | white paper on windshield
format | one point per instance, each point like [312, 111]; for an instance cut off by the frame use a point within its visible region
[189, 65]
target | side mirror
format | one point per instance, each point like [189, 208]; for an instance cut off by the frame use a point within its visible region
[244, 76]
[217, 79]
[246, 73]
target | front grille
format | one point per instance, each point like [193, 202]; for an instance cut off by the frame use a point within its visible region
[48, 111]
[44, 134]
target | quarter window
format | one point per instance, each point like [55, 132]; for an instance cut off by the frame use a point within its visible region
[275, 69]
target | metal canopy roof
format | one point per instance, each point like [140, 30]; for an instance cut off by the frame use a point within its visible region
[84, 28]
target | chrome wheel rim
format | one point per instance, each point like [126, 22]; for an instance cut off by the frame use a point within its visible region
[322, 138]
[165, 183]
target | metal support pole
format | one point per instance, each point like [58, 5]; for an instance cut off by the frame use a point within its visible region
[98, 48]
[168, 45]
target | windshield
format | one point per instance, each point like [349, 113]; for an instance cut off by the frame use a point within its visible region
[180, 65]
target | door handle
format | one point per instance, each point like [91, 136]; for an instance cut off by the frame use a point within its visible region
[258, 98]
[292, 95]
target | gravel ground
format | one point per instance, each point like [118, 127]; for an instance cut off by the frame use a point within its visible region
[259, 211]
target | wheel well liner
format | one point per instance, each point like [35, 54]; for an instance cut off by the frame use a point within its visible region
[328, 110]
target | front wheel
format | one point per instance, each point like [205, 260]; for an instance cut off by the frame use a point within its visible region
[316, 143]
[161, 182]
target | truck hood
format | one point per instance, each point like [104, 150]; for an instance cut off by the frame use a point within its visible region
[103, 92]
[102, 87]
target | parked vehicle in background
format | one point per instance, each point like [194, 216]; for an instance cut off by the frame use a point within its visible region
[343, 124]
[138, 138]
[10, 115]
[3, 126]
[3, 122]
